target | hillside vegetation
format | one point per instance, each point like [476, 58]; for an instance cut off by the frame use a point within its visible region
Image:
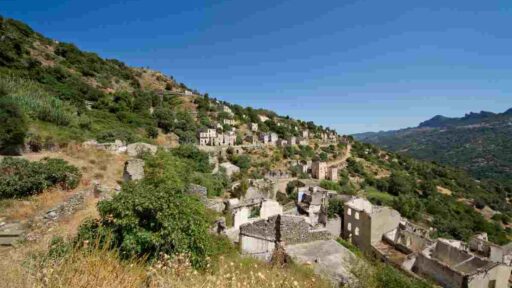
[153, 233]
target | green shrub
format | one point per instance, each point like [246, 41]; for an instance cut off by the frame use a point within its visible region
[155, 216]
[335, 208]
[19, 177]
[13, 127]
[117, 134]
[330, 185]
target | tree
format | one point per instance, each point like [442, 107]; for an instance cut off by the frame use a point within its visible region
[13, 127]
[399, 183]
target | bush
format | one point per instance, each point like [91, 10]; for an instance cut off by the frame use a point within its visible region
[335, 208]
[19, 177]
[155, 216]
[330, 185]
[13, 128]
[116, 134]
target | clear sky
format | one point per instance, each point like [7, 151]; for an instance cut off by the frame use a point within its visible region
[351, 65]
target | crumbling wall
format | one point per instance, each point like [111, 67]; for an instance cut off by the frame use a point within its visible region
[409, 242]
[498, 275]
[448, 254]
[430, 268]
[257, 247]
[333, 225]
[383, 220]
[295, 230]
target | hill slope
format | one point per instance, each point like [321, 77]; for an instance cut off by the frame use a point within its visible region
[480, 143]
[63, 94]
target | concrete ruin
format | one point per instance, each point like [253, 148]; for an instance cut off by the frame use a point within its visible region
[480, 245]
[252, 210]
[453, 267]
[365, 223]
[259, 238]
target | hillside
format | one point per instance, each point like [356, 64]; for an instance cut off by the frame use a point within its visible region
[480, 143]
[60, 102]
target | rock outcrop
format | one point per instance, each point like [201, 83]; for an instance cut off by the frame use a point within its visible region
[133, 170]
[136, 149]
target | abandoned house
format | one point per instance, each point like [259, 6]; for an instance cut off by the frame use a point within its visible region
[364, 224]
[319, 170]
[446, 262]
[259, 238]
[480, 245]
[253, 209]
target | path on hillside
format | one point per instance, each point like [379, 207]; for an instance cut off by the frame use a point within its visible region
[343, 159]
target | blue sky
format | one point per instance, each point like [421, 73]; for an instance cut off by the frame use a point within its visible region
[351, 65]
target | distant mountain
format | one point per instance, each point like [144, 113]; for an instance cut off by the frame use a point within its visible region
[480, 143]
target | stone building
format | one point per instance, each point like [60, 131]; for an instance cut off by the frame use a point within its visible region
[480, 245]
[254, 127]
[302, 141]
[206, 136]
[282, 143]
[273, 138]
[305, 134]
[447, 263]
[231, 122]
[332, 173]
[364, 224]
[319, 170]
[259, 238]
[264, 138]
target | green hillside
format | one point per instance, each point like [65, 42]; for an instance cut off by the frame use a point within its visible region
[52, 93]
[480, 143]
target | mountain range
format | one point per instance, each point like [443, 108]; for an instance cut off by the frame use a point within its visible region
[480, 143]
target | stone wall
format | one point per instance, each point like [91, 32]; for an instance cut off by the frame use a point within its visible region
[431, 268]
[285, 228]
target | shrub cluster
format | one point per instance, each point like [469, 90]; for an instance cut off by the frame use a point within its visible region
[19, 177]
[155, 215]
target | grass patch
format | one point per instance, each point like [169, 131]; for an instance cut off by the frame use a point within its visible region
[378, 197]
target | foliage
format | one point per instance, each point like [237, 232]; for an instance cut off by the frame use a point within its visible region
[13, 128]
[334, 208]
[155, 216]
[20, 177]
[242, 161]
[330, 185]
[198, 159]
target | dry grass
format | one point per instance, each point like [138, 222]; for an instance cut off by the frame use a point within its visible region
[102, 268]
[94, 165]
[15, 210]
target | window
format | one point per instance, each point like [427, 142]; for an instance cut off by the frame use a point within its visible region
[349, 211]
[492, 284]
[349, 226]
[357, 215]
[356, 231]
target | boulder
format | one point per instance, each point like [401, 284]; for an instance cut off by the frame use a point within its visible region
[136, 149]
[133, 170]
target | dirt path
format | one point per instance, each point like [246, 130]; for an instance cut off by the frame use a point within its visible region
[343, 159]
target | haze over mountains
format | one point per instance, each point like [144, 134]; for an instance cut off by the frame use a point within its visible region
[478, 142]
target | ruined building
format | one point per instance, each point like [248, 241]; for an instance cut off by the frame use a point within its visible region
[364, 224]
